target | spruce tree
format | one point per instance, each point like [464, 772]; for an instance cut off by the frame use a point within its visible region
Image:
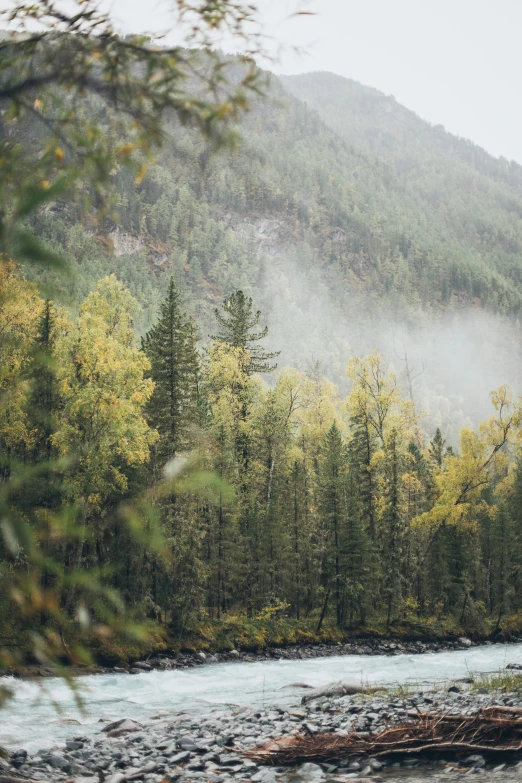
[393, 528]
[236, 323]
[171, 348]
[436, 450]
[332, 480]
[43, 397]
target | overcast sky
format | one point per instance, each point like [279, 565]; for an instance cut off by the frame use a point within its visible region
[454, 62]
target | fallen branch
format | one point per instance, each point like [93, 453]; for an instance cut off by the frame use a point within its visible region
[493, 730]
[9, 779]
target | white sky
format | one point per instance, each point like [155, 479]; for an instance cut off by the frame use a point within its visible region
[454, 62]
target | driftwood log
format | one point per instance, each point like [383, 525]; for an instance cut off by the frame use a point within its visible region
[493, 730]
[9, 779]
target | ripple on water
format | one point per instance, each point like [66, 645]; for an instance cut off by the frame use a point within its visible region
[32, 722]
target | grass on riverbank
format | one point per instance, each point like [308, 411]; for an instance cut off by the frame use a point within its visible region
[270, 628]
[506, 681]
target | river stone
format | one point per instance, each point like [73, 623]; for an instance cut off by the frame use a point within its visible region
[150, 766]
[311, 771]
[122, 726]
[118, 777]
[180, 758]
[187, 743]
[58, 761]
[476, 760]
[229, 761]
[265, 775]
[73, 745]
[332, 690]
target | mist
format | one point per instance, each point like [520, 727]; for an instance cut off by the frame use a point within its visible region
[450, 361]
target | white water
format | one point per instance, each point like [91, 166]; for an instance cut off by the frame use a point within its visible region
[32, 722]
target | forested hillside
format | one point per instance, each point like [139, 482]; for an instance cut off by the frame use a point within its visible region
[355, 224]
[348, 183]
[463, 194]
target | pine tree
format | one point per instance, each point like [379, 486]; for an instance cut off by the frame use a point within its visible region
[43, 407]
[332, 479]
[393, 527]
[171, 348]
[236, 322]
[436, 449]
[43, 397]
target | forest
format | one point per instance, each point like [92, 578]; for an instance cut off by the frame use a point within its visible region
[278, 502]
[201, 442]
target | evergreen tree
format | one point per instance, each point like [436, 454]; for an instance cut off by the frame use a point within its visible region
[393, 527]
[236, 322]
[436, 449]
[332, 479]
[43, 407]
[171, 348]
[358, 553]
[43, 397]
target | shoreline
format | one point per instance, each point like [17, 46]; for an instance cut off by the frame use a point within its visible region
[168, 661]
[183, 747]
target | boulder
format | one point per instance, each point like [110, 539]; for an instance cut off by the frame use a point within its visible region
[120, 727]
[143, 665]
[181, 758]
[58, 761]
[117, 777]
[332, 690]
[514, 666]
[476, 760]
[265, 775]
[187, 743]
[310, 771]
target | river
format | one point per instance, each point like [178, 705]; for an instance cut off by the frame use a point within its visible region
[31, 720]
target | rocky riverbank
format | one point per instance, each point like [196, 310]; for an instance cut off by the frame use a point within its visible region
[187, 660]
[213, 746]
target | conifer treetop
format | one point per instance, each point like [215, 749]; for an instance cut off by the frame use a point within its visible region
[236, 321]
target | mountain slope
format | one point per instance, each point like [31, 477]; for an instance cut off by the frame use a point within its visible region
[354, 224]
[465, 195]
[376, 199]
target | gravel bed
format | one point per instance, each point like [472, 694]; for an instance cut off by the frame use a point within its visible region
[210, 747]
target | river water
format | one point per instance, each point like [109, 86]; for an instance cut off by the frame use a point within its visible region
[31, 720]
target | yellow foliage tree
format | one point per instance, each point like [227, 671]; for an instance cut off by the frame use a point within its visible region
[102, 383]
[462, 477]
[20, 310]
